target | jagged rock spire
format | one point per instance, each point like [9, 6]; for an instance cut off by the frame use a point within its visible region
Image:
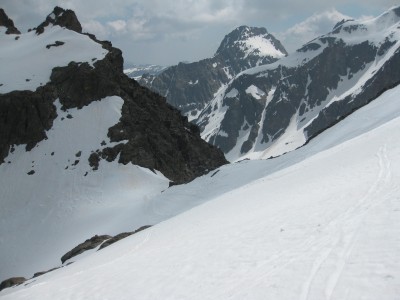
[8, 23]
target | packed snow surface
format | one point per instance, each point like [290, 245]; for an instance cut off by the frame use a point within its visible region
[321, 222]
[26, 62]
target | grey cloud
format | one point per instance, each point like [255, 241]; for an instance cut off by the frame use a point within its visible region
[181, 29]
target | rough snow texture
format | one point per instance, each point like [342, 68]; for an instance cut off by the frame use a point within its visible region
[280, 106]
[334, 234]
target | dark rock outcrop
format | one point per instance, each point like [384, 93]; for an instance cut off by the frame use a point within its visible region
[11, 282]
[86, 245]
[37, 274]
[25, 117]
[93, 242]
[8, 23]
[122, 236]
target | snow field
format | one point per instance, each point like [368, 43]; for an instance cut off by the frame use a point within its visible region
[318, 223]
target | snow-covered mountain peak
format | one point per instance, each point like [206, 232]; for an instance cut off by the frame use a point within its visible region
[190, 87]
[251, 41]
[385, 22]
[379, 32]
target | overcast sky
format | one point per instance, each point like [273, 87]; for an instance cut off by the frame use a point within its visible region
[168, 31]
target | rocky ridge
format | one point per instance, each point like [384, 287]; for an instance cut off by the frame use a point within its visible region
[155, 135]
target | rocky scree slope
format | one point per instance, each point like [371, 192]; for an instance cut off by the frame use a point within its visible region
[269, 110]
[150, 132]
[190, 86]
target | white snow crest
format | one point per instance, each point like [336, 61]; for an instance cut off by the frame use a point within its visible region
[27, 62]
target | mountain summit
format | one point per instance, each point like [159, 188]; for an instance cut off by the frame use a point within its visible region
[191, 86]
[63, 18]
[252, 43]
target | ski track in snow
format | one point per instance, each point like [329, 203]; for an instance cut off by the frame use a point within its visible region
[345, 229]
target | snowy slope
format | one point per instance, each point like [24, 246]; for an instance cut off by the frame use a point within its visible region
[277, 107]
[320, 222]
[65, 202]
[27, 63]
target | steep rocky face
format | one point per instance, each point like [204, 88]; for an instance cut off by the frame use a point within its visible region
[191, 86]
[25, 117]
[272, 109]
[6, 22]
[150, 133]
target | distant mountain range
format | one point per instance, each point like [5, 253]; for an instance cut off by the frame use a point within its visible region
[136, 71]
[269, 104]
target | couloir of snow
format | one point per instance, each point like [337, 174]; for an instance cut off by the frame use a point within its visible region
[321, 222]
[26, 63]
